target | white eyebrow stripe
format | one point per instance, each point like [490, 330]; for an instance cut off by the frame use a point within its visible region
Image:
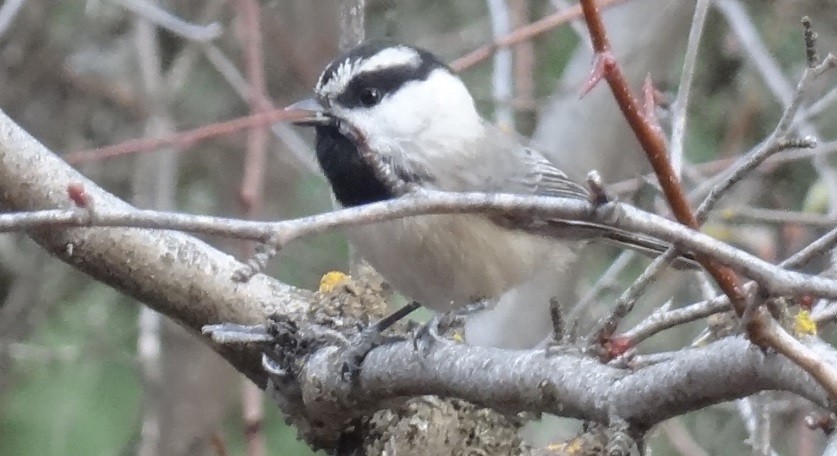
[348, 69]
[390, 57]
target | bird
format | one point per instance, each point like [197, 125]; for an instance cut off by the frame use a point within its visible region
[419, 118]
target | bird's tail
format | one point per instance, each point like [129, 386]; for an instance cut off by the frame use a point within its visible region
[645, 245]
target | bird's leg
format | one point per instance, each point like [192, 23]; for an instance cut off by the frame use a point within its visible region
[370, 337]
[433, 331]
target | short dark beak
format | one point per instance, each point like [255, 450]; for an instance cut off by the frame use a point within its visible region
[311, 113]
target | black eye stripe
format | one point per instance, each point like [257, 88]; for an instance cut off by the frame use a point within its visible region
[386, 81]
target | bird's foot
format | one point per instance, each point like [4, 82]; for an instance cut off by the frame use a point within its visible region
[432, 332]
[369, 338]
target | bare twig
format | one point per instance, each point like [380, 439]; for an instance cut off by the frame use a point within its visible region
[254, 161]
[524, 54]
[715, 166]
[185, 138]
[296, 145]
[8, 12]
[502, 82]
[759, 215]
[352, 23]
[744, 166]
[661, 321]
[170, 22]
[608, 279]
[654, 146]
[773, 279]
[819, 106]
[153, 186]
[628, 298]
[753, 414]
[251, 192]
[681, 102]
[811, 251]
[521, 34]
[626, 301]
[762, 329]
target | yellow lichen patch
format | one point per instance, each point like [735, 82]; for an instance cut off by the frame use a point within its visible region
[804, 325]
[574, 446]
[332, 280]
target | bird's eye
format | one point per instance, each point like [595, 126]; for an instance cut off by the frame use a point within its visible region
[370, 96]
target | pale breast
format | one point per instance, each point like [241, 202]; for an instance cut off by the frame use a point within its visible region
[447, 261]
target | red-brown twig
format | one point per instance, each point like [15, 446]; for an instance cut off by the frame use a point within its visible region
[521, 34]
[252, 190]
[654, 145]
[251, 186]
[761, 328]
[185, 138]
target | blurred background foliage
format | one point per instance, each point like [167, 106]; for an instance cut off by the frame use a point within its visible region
[70, 379]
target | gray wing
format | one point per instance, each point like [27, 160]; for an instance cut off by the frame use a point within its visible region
[503, 163]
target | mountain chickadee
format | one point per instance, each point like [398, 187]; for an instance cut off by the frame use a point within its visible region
[420, 118]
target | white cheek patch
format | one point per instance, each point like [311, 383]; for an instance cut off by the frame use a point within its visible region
[438, 109]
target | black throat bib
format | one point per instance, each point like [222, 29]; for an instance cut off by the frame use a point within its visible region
[352, 179]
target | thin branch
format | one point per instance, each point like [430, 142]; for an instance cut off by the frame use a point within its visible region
[524, 56]
[626, 301]
[770, 146]
[813, 250]
[352, 23]
[183, 139]
[607, 280]
[661, 321]
[502, 81]
[290, 138]
[745, 165]
[251, 191]
[739, 19]
[762, 329]
[681, 102]
[758, 440]
[777, 216]
[252, 184]
[653, 144]
[773, 279]
[821, 105]
[521, 34]
[170, 22]
[715, 166]
[153, 186]
[8, 12]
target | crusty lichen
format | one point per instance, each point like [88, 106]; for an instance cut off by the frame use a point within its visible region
[432, 426]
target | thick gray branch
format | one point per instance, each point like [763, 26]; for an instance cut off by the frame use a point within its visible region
[175, 274]
[564, 384]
